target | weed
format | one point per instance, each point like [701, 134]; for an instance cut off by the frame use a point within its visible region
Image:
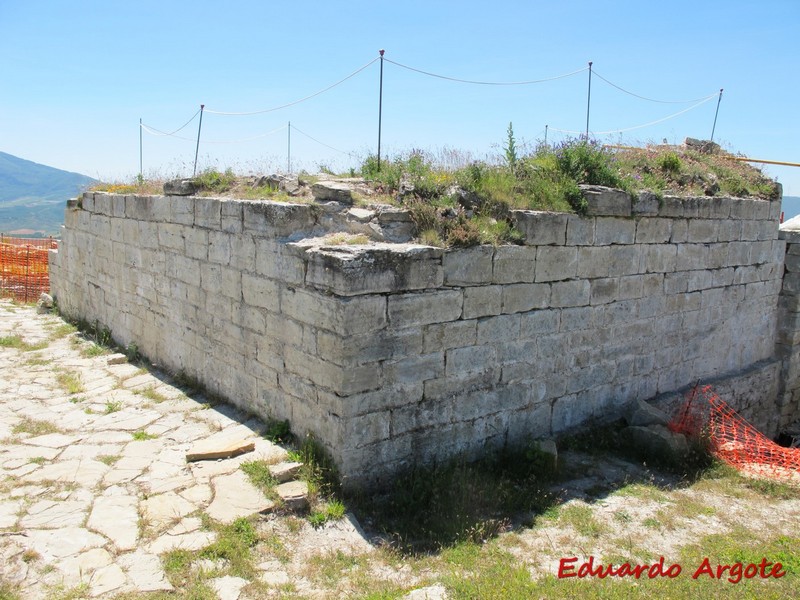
[36, 360]
[151, 393]
[234, 543]
[330, 511]
[16, 342]
[132, 352]
[212, 180]
[38, 460]
[108, 459]
[70, 383]
[278, 432]
[92, 350]
[141, 436]
[113, 406]
[35, 427]
[30, 555]
[581, 517]
[258, 473]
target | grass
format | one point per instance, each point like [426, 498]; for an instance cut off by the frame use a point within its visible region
[258, 473]
[35, 427]
[113, 406]
[141, 436]
[17, 342]
[151, 393]
[332, 510]
[70, 383]
[108, 459]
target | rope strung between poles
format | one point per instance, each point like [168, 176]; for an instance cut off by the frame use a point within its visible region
[614, 85]
[530, 82]
[247, 139]
[314, 95]
[321, 143]
[158, 132]
[667, 118]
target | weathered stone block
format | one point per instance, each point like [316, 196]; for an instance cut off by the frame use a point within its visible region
[660, 258]
[470, 360]
[593, 261]
[522, 297]
[482, 301]
[624, 260]
[406, 310]
[450, 335]
[604, 290]
[647, 203]
[345, 316]
[556, 263]
[494, 329]
[653, 231]
[514, 264]
[355, 270]
[580, 230]
[605, 201]
[570, 293]
[541, 228]
[469, 266]
[610, 231]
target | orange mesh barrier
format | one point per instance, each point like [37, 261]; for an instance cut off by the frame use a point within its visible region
[733, 440]
[24, 273]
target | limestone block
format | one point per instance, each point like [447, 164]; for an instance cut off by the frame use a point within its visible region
[442, 336]
[646, 203]
[208, 213]
[482, 301]
[231, 217]
[355, 270]
[593, 261]
[671, 206]
[605, 201]
[386, 344]
[580, 230]
[729, 230]
[118, 206]
[522, 297]
[102, 204]
[468, 266]
[556, 263]
[610, 231]
[183, 269]
[691, 256]
[653, 231]
[514, 264]
[539, 322]
[767, 230]
[181, 209]
[170, 237]
[541, 228]
[332, 191]
[604, 290]
[625, 260]
[497, 329]
[340, 380]
[570, 293]
[470, 360]
[280, 262]
[243, 252]
[406, 310]
[660, 258]
[414, 368]
[720, 208]
[196, 243]
[345, 316]
[279, 219]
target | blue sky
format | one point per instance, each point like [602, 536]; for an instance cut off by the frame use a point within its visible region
[78, 76]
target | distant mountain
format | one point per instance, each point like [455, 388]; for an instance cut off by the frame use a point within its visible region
[33, 196]
[790, 207]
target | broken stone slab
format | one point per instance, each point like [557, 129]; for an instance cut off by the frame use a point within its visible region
[285, 471]
[656, 441]
[228, 587]
[643, 414]
[294, 495]
[327, 191]
[224, 444]
[235, 497]
[180, 187]
[116, 359]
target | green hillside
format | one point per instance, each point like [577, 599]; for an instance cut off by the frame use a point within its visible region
[32, 196]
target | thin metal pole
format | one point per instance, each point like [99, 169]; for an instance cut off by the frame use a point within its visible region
[197, 148]
[141, 177]
[589, 101]
[714, 128]
[545, 135]
[380, 110]
[289, 151]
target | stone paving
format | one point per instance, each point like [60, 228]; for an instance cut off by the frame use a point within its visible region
[94, 484]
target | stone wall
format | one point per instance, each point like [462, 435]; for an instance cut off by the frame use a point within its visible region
[393, 354]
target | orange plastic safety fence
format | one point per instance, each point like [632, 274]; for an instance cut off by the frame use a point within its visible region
[24, 271]
[734, 440]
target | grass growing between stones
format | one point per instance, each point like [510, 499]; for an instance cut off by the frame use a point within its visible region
[70, 382]
[35, 427]
[18, 343]
[141, 436]
[258, 473]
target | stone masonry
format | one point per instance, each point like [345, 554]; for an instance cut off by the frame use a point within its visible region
[401, 354]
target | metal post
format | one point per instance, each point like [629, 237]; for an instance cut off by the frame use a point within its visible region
[589, 101]
[380, 110]
[197, 148]
[141, 177]
[289, 151]
[713, 129]
[545, 135]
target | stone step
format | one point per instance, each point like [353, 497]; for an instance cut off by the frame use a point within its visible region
[285, 471]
